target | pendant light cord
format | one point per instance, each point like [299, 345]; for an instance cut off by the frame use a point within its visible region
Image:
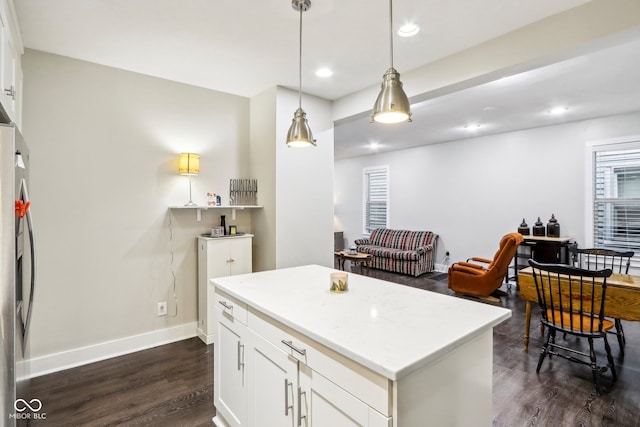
[300, 63]
[391, 29]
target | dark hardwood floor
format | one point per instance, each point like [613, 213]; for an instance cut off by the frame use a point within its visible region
[172, 385]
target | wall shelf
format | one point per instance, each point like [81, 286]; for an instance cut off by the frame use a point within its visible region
[233, 208]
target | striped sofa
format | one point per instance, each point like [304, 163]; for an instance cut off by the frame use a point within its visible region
[400, 251]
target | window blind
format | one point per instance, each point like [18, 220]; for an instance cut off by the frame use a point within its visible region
[375, 209]
[616, 200]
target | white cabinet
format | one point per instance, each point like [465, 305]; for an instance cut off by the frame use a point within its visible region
[324, 403]
[218, 257]
[10, 63]
[330, 390]
[230, 397]
[9, 90]
[273, 385]
[316, 359]
[284, 385]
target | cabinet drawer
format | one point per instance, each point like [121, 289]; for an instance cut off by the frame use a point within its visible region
[231, 306]
[368, 386]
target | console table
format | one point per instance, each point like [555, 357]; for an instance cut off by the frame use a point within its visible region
[551, 250]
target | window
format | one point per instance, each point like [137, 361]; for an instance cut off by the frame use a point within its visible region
[375, 209]
[616, 197]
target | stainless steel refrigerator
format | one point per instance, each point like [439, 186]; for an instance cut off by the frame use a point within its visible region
[17, 274]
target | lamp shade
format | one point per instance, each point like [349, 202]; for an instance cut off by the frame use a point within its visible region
[299, 134]
[189, 164]
[392, 104]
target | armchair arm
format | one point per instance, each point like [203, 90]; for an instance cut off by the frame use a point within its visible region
[468, 269]
[360, 242]
[482, 260]
[470, 265]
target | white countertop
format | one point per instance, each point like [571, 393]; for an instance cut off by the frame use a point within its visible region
[226, 236]
[391, 329]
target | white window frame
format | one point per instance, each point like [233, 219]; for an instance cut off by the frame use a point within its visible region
[623, 143]
[365, 191]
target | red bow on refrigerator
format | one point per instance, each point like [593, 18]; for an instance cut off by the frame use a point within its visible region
[22, 208]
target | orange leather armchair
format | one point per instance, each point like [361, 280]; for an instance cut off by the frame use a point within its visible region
[473, 279]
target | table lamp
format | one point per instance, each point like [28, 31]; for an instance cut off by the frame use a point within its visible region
[189, 165]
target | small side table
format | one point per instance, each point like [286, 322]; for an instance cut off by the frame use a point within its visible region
[359, 258]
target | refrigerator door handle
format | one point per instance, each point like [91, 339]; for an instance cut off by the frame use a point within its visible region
[24, 194]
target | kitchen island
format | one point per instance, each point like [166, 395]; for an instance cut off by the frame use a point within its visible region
[289, 352]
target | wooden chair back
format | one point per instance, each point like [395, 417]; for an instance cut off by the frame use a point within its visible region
[599, 259]
[571, 299]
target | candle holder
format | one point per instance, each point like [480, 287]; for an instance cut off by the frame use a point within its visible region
[339, 283]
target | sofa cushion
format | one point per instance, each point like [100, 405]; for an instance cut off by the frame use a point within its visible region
[400, 239]
[380, 251]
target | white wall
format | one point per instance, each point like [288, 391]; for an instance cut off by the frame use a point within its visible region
[295, 226]
[104, 146]
[262, 161]
[304, 185]
[473, 191]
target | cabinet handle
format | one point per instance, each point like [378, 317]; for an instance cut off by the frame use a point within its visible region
[289, 344]
[225, 305]
[231, 260]
[240, 359]
[300, 416]
[286, 398]
[11, 92]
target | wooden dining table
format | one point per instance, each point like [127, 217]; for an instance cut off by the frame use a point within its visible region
[622, 299]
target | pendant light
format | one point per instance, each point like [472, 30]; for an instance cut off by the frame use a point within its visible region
[392, 104]
[299, 134]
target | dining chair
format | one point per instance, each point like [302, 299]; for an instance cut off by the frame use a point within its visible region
[572, 302]
[597, 258]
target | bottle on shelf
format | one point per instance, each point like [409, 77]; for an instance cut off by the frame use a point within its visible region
[524, 228]
[538, 228]
[553, 227]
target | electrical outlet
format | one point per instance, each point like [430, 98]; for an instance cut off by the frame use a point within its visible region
[162, 308]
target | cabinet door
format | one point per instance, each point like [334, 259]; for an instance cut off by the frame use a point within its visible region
[240, 255]
[273, 385]
[229, 394]
[9, 89]
[212, 262]
[17, 104]
[324, 403]
[218, 258]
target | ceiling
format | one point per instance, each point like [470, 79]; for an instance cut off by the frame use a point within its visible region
[246, 47]
[602, 83]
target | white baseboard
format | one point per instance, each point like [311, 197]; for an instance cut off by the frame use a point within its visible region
[55, 362]
[207, 339]
[441, 268]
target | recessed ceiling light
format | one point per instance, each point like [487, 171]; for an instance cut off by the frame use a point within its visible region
[324, 72]
[559, 110]
[472, 127]
[408, 30]
[374, 145]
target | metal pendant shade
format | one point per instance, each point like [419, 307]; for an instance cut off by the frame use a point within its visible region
[392, 104]
[299, 134]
